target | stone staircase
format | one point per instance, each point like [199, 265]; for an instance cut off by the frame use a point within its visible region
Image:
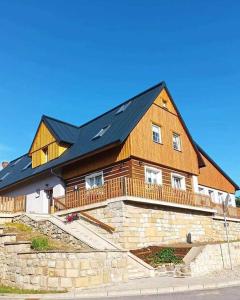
[86, 234]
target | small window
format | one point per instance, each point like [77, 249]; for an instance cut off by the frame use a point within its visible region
[178, 182]
[164, 104]
[176, 142]
[201, 190]
[101, 132]
[4, 176]
[28, 165]
[123, 108]
[156, 134]
[94, 180]
[153, 176]
[16, 161]
[45, 155]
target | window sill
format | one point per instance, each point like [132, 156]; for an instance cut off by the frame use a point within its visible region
[159, 143]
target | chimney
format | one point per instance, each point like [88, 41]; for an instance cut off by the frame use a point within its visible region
[5, 164]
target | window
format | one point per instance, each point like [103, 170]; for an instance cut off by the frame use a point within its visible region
[156, 134]
[164, 103]
[153, 176]
[178, 182]
[211, 194]
[123, 108]
[4, 176]
[94, 180]
[220, 197]
[101, 132]
[200, 190]
[176, 142]
[45, 154]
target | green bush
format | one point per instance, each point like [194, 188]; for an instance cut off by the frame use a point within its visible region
[165, 256]
[40, 243]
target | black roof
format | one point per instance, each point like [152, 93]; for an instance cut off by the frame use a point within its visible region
[117, 126]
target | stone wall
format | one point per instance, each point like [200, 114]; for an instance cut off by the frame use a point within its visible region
[216, 256]
[49, 229]
[139, 225]
[63, 271]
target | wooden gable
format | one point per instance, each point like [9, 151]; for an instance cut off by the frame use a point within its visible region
[212, 177]
[164, 115]
[43, 140]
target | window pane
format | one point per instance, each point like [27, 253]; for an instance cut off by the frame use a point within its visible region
[156, 133]
[176, 142]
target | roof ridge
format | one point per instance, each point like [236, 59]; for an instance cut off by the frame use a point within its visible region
[60, 121]
[122, 103]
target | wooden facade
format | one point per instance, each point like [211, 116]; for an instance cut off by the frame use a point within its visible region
[44, 140]
[211, 177]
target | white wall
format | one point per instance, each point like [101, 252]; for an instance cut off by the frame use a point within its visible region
[37, 200]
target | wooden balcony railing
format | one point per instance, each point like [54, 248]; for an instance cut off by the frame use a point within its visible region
[13, 204]
[124, 186]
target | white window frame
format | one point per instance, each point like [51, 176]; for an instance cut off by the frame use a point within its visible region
[201, 190]
[220, 197]
[179, 144]
[211, 192]
[88, 187]
[183, 181]
[159, 133]
[156, 170]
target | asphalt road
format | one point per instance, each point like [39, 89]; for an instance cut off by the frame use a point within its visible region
[232, 293]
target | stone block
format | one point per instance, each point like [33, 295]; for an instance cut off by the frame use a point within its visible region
[81, 282]
[66, 282]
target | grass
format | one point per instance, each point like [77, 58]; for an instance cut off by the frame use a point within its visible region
[11, 290]
[40, 242]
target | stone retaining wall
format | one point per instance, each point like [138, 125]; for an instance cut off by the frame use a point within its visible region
[63, 271]
[216, 256]
[140, 225]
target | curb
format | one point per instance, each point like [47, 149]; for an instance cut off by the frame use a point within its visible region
[136, 292]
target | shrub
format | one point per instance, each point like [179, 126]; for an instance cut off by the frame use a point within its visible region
[40, 243]
[166, 255]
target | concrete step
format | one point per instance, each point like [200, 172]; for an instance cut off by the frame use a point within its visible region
[17, 247]
[7, 237]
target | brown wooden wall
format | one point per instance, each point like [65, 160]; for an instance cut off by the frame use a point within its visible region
[130, 168]
[110, 172]
[138, 171]
[211, 177]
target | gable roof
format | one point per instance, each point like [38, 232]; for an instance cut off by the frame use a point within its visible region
[81, 138]
[236, 186]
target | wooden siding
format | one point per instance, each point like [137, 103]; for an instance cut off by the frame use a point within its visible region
[143, 147]
[131, 168]
[211, 177]
[96, 162]
[138, 172]
[109, 173]
[163, 96]
[44, 138]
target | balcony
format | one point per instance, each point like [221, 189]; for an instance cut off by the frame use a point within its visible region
[131, 187]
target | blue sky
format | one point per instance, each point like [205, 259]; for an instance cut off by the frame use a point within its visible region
[75, 59]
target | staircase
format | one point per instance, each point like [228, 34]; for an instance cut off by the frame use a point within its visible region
[87, 235]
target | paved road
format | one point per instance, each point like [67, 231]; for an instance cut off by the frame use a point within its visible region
[232, 293]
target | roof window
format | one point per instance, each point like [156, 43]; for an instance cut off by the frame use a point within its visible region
[27, 165]
[101, 132]
[4, 176]
[17, 161]
[123, 108]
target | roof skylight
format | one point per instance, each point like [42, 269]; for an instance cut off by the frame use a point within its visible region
[4, 176]
[16, 161]
[101, 132]
[27, 165]
[123, 108]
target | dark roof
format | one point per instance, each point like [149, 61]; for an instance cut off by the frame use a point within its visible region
[217, 167]
[118, 127]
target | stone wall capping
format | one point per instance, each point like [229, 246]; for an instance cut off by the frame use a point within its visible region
[228, 219]
[18, 243]
[73, 251]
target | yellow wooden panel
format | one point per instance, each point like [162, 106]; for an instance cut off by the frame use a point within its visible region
[42, 138]
[210, 176]
[164, 97]
[142, 145]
